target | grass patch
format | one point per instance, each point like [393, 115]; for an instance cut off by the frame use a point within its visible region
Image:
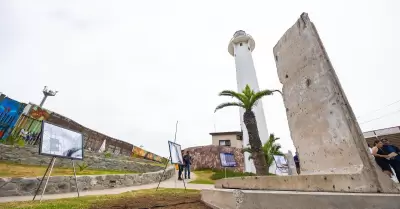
[220, 174]
[203, 177]
[208, 176]
[202, 181]
[8, 169]
[135, 197]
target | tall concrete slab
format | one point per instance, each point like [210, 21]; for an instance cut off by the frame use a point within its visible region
[333, 153]
[322, 123]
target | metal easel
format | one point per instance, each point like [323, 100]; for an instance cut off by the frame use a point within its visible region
[50, 166]
[166, 165]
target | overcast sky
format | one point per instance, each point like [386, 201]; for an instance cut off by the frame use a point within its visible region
[130, 69]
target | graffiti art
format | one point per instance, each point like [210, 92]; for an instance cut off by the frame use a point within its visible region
[10, 110]
[39, 113]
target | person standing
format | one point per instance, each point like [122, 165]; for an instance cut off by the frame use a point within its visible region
[370, 148]
[297, 162]
[180, 168]
[187, 159]
[393, 161]
[381, 157]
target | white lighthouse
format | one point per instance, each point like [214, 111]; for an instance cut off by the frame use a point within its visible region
[240, 47]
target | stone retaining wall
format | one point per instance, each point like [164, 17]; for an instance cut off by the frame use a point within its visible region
[65, 184]
[29, 155]
[207, 157]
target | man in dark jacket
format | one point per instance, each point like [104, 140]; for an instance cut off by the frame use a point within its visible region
[394, 161]
[187, 159]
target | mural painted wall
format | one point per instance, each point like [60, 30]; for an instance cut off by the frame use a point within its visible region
[139, 152]
[29, 124]
[10, 110]
[39, 113]
[30, 118]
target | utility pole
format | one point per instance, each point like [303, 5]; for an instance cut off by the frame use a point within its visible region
[47, 93]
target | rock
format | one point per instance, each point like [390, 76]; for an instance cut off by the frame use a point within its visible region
[52, 188]
[9, 186]
[28, 185]
[207, 157]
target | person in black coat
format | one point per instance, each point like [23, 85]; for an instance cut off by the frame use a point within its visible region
[187, 159]
[395, 160]
[381, 157]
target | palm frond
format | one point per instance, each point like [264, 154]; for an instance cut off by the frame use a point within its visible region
[228, 104]
[239, 96]
[258, 95]
[271, 148]
[247, 149]
[248, 92]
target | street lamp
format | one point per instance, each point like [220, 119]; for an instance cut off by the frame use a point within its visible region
[47, 93]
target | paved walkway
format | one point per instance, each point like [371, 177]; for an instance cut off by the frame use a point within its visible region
[170, 183]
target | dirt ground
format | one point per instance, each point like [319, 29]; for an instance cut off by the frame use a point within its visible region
[191, 201]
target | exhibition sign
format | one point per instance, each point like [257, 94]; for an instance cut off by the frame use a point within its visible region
[175, 152]
[60, 142]
[227, 159]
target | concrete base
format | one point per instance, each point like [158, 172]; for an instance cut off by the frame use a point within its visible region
[258, 199]
[353, 183]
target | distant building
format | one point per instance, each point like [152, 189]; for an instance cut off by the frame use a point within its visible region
[229, 139]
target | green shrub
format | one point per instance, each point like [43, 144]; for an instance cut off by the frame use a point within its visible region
[164, 161]
[136, 155]
[21, 142]
[83, 166]
[107, 155]
[11, 140]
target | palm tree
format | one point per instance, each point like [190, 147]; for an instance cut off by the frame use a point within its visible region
[270, 149]
[247, 99]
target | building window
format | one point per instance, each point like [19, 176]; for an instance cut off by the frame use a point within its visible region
[225, 143]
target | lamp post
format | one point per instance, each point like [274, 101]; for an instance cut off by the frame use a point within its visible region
[47, 93]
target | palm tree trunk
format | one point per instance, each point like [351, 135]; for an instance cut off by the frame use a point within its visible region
[255, 143]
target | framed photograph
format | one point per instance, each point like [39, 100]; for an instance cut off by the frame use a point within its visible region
[175, 153]
[60, 142]
[227, 159]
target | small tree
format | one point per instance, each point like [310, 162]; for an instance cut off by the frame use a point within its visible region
[247, 99]
[271, 148]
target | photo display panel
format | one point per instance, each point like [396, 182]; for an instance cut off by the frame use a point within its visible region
[227, 159]
[60, 142]
[175, 153]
